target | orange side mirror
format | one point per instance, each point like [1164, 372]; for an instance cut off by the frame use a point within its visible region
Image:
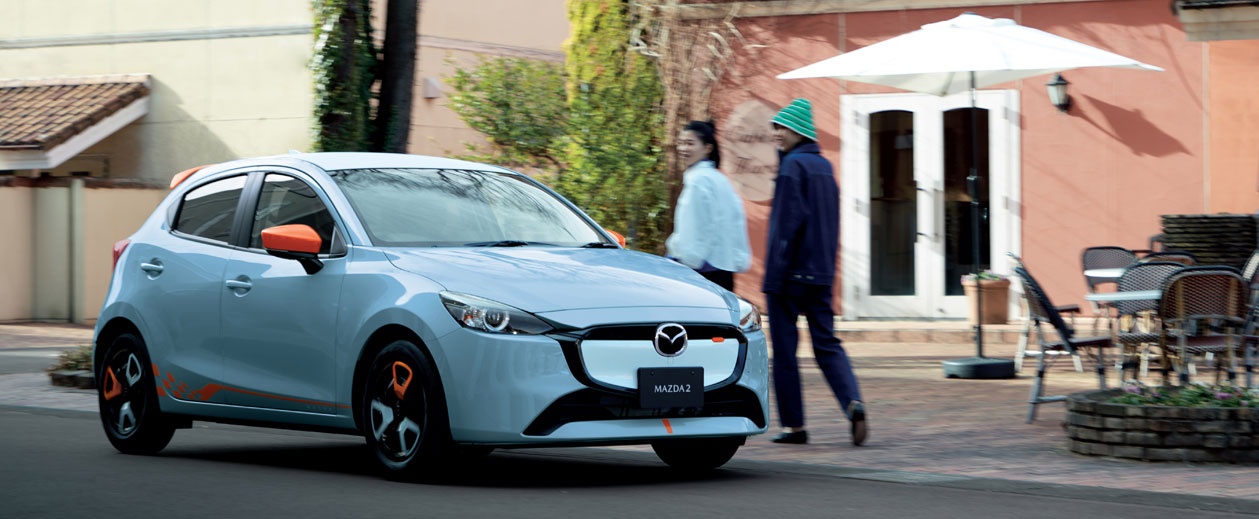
[291, 238]
[619, 238]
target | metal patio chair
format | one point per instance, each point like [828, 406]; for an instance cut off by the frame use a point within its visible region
[1103, 257]
[1186, 259]
[1136, 329]
[1043, 313]
[1203, 311]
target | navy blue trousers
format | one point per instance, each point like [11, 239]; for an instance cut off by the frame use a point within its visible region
[814, 301]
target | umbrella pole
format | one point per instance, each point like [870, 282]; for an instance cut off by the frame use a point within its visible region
[977, 366]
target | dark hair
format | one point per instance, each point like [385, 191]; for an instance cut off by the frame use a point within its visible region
[707, 133]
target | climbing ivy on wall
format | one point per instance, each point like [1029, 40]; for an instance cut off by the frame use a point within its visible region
[343, 64]
[613, 147]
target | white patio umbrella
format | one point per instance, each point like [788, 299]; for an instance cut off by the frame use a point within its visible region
[953, 56]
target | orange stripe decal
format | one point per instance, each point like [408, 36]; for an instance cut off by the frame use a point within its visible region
[208, 391]
[667, 426]
[400, 386]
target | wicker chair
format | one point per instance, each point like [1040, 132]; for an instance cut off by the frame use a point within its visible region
[1105, 257]
[1136, 330]
[1186, 259]
[1203, 311]
[1026, 333]
[1043, 312]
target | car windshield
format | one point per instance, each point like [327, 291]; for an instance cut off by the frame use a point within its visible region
[447, 207]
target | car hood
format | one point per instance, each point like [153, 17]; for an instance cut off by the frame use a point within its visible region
[541, 279]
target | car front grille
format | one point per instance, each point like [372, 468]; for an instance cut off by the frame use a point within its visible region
[597, 405]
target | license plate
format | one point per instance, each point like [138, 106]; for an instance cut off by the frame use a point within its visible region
[660, 388]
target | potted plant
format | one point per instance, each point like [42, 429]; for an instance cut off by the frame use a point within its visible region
[994, 305]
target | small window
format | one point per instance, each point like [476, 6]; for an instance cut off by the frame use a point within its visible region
[286, 200]
[208, 211]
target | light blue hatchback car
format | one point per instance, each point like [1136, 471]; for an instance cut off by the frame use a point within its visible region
[440, 308]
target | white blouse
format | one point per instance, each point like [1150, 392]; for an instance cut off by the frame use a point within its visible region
[709, 224]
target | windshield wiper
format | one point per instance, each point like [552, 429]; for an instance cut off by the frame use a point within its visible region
[600, 245]
[499, 243]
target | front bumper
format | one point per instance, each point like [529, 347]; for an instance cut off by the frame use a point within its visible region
[539, 390]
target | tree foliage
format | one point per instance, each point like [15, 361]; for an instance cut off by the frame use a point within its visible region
[343, 64]
[600, 122]
[518, 105]
[347, 66]
[613, 148]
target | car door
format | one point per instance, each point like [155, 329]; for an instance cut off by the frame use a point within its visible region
[177, 273]
[279, 323]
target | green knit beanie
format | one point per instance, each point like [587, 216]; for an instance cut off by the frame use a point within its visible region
[797, 117]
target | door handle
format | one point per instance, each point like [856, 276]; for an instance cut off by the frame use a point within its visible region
[152, 268]
[239, 286]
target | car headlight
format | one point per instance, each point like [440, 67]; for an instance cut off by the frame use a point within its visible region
[749, 316]
[485, 315]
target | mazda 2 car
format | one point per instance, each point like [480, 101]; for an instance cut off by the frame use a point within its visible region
[437, 307]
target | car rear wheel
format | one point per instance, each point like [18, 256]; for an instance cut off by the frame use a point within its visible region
[404, 415]
[127, 396]
[697, 454]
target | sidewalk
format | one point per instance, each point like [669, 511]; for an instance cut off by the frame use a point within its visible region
[923, 427]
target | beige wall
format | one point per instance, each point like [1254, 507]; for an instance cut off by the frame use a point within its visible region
[213, 98]
[17, 235]
[229, 79]
[458, 32]
[120, 211]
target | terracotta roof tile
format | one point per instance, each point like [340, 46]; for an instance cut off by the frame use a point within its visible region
[42, 113]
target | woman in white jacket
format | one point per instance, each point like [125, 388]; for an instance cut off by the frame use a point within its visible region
[710, 231]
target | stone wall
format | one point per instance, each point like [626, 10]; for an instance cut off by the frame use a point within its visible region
[1159, 433]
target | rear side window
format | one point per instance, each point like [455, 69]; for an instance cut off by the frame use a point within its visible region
[208, 211]
[285, 201]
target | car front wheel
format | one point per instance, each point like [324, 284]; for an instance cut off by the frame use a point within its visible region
[697, 454]
[404, 415]
[127, 396]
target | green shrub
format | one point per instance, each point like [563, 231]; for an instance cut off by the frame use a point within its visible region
[1193, 395]
[77, 359]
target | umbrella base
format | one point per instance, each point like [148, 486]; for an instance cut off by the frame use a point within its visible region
[979, 368]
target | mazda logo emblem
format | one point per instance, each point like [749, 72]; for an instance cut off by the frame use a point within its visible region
[670, 339]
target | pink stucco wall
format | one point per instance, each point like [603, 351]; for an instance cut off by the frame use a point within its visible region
[1133, 146]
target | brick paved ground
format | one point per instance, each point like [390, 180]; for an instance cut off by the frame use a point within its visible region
[920, 422]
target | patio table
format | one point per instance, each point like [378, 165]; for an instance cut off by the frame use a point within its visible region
[1132, 295]
[1111, 274]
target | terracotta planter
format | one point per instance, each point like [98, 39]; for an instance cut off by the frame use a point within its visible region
[996, 300]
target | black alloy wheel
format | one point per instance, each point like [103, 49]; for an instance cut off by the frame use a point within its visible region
[127, 396]
[404, 416]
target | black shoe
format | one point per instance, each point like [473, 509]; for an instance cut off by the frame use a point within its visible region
[857, 419]
[798, 437]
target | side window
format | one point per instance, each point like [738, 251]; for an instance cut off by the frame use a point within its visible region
[286, 200]
[208, 211]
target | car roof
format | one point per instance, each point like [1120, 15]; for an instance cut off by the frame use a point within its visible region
[334, 161]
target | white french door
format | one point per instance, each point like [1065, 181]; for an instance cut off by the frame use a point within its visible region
[906, 213]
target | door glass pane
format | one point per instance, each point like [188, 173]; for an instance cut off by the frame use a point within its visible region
[959, 254]
[893, 203]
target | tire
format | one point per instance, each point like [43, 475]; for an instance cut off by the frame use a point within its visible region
[404, 412]
[697, 455]
[127, 397]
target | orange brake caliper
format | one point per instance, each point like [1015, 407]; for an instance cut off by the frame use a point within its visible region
[400, 387]
[112, 387]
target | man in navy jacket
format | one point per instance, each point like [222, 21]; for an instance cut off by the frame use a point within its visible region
[800, 271]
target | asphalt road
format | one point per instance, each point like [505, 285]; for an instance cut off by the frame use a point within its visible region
[58, 464]
[27, 360]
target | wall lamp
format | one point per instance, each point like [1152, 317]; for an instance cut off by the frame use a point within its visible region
[1058, 93]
